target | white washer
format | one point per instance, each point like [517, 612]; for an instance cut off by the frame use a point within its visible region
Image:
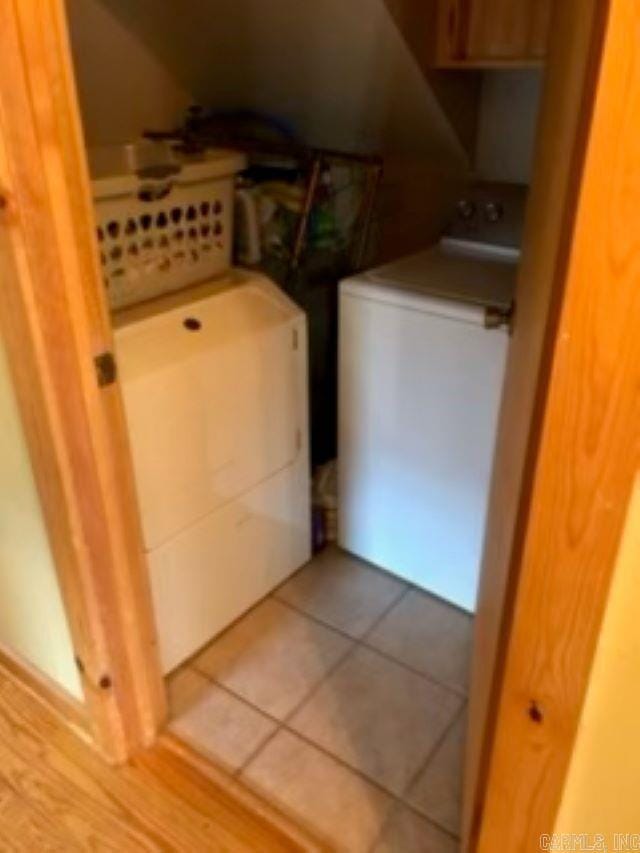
[419, 391]
[214, 381]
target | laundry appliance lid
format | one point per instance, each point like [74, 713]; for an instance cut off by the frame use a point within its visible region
[444, 274]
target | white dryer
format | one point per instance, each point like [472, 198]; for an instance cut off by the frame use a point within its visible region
[214, 380]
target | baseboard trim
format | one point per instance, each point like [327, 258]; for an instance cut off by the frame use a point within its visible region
[70, 710]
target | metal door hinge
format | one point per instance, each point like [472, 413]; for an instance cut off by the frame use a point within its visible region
[495, 318]
[106, 369]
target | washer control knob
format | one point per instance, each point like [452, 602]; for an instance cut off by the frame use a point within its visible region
[466, 208]
[493, 211]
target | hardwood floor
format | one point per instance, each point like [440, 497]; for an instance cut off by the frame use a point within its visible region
[57, 794]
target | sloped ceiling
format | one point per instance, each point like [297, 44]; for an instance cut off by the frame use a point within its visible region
[338, 71]
[123, 86]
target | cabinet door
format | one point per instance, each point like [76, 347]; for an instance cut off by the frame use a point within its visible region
[492, 32]
[539, 29]
[507, 30]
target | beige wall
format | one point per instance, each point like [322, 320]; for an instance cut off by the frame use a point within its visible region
[123, 88]
[32, 619]
[507, 125]
[602, 793]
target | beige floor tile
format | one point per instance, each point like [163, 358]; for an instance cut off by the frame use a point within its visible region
[342, 591]
[222, 726]
[378, 717]
[437, 792]
[272, 657]
[407, 832]
[430, 636]
[320, 792]
[184, 687]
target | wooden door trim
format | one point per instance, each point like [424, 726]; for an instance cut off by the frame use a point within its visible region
[54, 322]
[563, 128]
[582, 474]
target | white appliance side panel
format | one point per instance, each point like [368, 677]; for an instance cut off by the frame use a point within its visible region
[200, 410]
[418, 408]
[209, 575]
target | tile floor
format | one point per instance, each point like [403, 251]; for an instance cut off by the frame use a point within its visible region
[341, 697]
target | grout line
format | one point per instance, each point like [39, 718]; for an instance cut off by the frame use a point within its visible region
[238, 696]
[282, 725]
[396, 798]
[374, 782]
[278, 723]
[308, 696]
[189, 661]
[398, 801]
[456, 691]
[332, 549]
[342, 657]
[313, 618]
[354, 642]
[255, 752]
[384, 614]
[430, 755]
[362, 640]
[411, 586]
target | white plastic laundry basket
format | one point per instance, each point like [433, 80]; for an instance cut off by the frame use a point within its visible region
[163, 223]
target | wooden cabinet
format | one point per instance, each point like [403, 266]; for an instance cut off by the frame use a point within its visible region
[492, 33]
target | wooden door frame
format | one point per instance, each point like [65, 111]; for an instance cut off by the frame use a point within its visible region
[584, 458]
[565, 114]
[55, 323]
